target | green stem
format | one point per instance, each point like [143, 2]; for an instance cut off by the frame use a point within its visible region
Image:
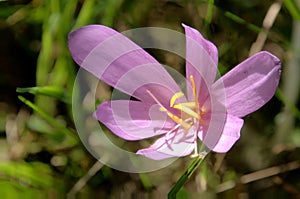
[187, 174]
[49, 119]
[51, 91]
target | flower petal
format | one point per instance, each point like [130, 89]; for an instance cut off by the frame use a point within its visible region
[251, 84]
[210, 48]
[174, 144]
[119, 62]
[201, 61]
[133, 120]
[231, 133]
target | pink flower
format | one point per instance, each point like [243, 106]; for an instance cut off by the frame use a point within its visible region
[162, 108]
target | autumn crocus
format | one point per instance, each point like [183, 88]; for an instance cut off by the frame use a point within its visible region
[211, 109]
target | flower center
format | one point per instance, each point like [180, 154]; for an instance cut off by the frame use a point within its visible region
[190, 113]
[191, 110]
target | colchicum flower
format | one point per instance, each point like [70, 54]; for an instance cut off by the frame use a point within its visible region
[161, 107]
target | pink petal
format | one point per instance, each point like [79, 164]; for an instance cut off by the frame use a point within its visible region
[251, 84]
[166, 147]
[230, 134]
[133, 120]
[201, 61]
[119, 62]
[204, 45]
[212, 120]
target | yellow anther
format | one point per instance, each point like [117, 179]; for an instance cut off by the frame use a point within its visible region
[175, 97]
[187, 110]
[191, 109]
[188, 104]
[178, 120]
[193, 86]
[162, 109]
[194, 92]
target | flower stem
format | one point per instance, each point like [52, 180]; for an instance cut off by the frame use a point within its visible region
[187, 174]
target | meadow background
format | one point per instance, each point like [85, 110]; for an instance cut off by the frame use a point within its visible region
[40, 153]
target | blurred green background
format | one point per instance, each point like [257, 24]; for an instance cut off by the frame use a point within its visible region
[40, 153]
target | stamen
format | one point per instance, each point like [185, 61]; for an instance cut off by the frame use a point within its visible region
[194, 93]
[180, 121]
[196, 149]
[162, 109]
[192, 109]
[155, 99]
[176, 119]
[188, 104]
[175, 97]
[193, 85]
[187, 110]
[196, 153]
